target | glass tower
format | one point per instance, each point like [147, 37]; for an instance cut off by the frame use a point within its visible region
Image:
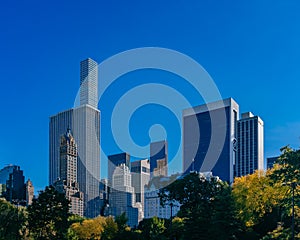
[250, 148]
[209, 138]
[84, 122]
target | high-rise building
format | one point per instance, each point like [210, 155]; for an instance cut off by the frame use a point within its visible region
[140, 176]
[122, 198]
[84, 121]
[5, 172]
[209, 138]
[271, 161]
[15, 187]
[67, 182]
[57, 127]
[116, 160]
[89, 83]
[29, 192]
[159, 158]
[250, 145]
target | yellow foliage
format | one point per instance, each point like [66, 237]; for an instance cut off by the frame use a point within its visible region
[255, 196]
[90, 228]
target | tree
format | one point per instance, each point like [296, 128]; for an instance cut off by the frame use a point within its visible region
[152, 228]
[48, 215]
[206, 204]
[12, 221]
[110, 229]
[89, 228]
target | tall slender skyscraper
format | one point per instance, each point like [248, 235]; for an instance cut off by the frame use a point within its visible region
[89, 83]
[84, 121]
[209, 138]
[250, 145]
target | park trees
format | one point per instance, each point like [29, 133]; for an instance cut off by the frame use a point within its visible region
[206, 205]
[48, 215]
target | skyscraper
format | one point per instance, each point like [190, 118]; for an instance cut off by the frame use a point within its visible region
[116, 160]
[122, 198]
[140, 175]
[250, 145]
[84, 121]
[15, 187]
[67, 183]
[271, 161]
[89, 82]
[209, 138]
[159, 158]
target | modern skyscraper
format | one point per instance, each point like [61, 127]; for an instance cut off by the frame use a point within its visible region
[250, 145]
[271, 161]
[57, 127]
[140, 176]
[5, 172]
[209, 138]
[67, 183]
[159, 158]
[122, 195]
[15, 187]
[89, 83]
[84, 121]
[116, 160]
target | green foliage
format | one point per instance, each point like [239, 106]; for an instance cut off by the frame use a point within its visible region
[12, 221]
[152, 228]
[206, 204]
[48, 215]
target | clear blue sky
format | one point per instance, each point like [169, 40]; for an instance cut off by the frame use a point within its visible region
[250, 48]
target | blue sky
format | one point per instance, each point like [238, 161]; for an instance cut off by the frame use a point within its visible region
[251, 49]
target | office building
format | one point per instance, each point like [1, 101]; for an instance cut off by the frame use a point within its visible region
[89, 83]
[84, 121]
[250, 145]
[140, 176]
[209, 138]
[5, 172]
[159, 158]
[114, 161]
[67, 181]
[122, 198]
[271, 161]
[15, 187]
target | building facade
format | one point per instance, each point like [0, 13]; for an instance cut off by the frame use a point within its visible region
[122, 197]
[84, 121]
[209, 138]
[152, 207]
[140, 172]
[67, 182]
[114, 161]
[159, 158]
[29, 192]
[271, 161]
[250, 145]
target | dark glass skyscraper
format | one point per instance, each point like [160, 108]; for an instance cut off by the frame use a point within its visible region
[209, 138]
[250, 145]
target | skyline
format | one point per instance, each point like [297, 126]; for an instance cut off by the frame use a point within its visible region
[255, 43]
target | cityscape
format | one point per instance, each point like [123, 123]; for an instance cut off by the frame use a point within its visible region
[143, 142]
